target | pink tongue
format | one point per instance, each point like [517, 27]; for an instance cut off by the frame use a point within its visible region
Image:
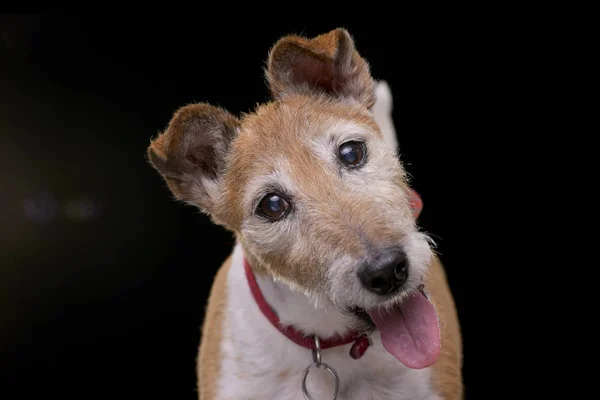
[410, 332]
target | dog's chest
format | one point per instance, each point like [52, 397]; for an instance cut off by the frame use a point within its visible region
[258, 362]
[272, 372]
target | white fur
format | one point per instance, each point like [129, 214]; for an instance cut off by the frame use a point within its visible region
[258, 362]
[382, 112]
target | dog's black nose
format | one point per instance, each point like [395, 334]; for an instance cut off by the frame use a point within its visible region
[386, 274]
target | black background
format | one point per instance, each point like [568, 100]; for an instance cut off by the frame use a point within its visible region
[104, 276]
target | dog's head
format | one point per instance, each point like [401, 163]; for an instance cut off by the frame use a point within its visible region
[306, 182]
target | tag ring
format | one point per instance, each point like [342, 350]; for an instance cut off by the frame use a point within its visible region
[316, 353]
[336, 380]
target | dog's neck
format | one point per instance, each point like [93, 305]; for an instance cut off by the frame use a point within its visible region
[294, 309]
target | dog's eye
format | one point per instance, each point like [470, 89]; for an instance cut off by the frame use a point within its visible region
[273, 206]
[352, 153]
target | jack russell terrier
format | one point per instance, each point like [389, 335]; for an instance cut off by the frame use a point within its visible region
[331, 291]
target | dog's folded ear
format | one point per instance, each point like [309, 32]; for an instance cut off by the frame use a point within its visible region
[191, 153]
[328, 63]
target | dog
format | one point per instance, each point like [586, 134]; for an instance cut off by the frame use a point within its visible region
[331, 290]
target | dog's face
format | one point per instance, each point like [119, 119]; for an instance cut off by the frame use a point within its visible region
[306, 182]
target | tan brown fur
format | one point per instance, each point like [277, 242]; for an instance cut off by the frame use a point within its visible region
[447, 371]
[212, 331]
[277, 127]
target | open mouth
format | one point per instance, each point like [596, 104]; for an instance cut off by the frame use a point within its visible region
[409, 331]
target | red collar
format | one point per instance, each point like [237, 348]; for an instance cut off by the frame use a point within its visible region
[361, 342]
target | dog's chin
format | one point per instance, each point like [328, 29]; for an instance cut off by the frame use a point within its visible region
[360, 321]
